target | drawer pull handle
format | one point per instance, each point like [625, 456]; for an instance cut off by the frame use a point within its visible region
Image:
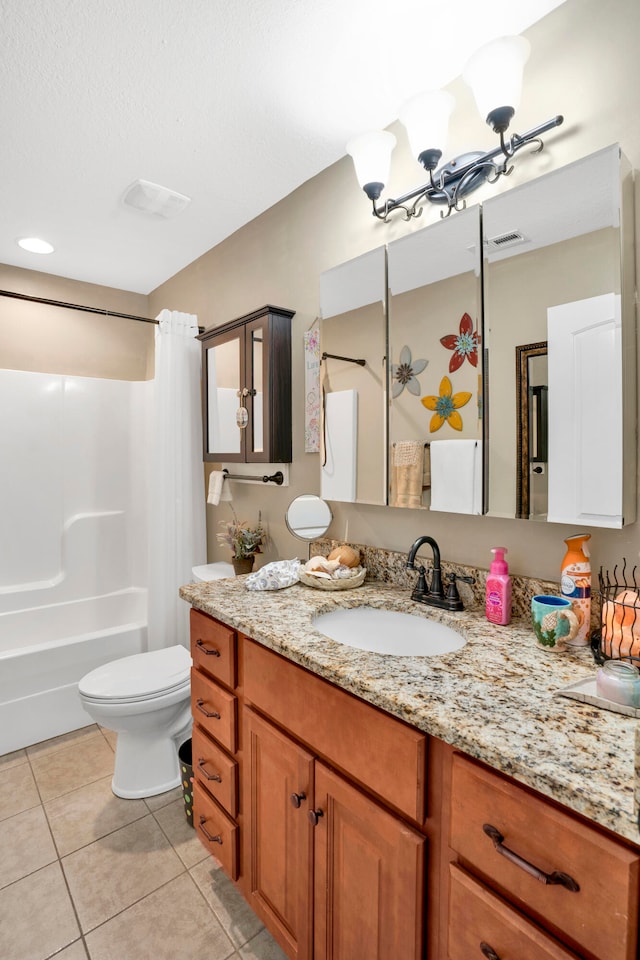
[216, 839]
[201, 707]
[297, 798]
[314, 816]
[488, 951]
[208, 651]
[563, 879]
[209, 776]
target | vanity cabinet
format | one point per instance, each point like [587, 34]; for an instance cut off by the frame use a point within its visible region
[246, 384]
[322, 809]
[332, 872]
[534, 871]
[215, 740]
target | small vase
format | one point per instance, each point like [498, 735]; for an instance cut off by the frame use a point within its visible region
[242, 565]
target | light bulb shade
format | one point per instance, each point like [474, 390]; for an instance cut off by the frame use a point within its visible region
[371, 154]
[426, 119]
[494, 73]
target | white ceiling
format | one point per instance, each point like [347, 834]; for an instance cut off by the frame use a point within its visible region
[234, 103]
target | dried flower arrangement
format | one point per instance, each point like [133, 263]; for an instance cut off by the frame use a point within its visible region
[245, 541]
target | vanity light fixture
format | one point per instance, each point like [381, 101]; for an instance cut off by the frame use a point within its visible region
[494, 73]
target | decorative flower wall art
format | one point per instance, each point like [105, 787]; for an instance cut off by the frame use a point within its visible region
[446, 406]
[404, 374]
[464, 344]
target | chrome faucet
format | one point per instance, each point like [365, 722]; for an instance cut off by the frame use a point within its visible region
[434, 594]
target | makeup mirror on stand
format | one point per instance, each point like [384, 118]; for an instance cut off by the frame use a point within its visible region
[308, 517]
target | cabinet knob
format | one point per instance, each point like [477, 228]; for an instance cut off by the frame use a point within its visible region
[314, 816]
[488, 951]
[297, 798]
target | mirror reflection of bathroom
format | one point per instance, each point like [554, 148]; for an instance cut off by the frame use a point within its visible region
[435, 345]
[308, 517]
[553, 273]
[532, 375]
[354, 328]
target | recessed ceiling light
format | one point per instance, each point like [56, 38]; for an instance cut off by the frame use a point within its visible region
[35, 245]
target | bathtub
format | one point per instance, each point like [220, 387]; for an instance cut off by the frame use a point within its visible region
[46, 650]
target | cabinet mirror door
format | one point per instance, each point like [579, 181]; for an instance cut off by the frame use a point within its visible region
[354, 432]
[225, 406]
[435, 346]
[555, 273]
[256, 370]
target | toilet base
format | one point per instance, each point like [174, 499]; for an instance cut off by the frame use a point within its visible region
[145, 767]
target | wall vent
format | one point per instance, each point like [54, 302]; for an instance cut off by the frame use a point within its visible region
[508, 239]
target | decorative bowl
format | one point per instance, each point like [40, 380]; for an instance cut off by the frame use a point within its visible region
[346, 583]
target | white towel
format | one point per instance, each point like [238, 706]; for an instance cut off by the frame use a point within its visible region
[338, 477]
[456, 476]
[218, 489]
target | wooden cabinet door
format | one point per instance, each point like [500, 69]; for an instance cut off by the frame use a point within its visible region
[368, 877]
[278, 782]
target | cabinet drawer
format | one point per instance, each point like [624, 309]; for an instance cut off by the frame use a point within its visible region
[215, 770]
[213, 647]
[382, 753]
[214, 709]
[216, 830]
[601, 917]
[482, 925]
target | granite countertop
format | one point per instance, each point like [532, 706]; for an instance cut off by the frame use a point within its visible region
[493, 699]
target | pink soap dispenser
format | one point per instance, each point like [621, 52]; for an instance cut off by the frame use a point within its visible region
[498, 603]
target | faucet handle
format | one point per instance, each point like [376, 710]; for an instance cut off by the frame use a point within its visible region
[420, 590]
[457, 576]
[453, 597]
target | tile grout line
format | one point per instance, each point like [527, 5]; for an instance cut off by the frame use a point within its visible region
[64, 876]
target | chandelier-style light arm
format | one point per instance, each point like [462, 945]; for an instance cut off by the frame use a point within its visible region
[463, 175]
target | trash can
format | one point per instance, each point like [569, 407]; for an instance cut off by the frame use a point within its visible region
[186, 776]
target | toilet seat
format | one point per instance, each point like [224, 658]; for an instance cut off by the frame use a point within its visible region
[141, 677]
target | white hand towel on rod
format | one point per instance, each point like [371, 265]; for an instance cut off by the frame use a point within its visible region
[218, 489]
[456, 476]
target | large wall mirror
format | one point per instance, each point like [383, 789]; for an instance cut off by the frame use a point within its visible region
[435, 345]
[353, 337]
[559, 329]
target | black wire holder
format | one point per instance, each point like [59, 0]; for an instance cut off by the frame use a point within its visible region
[618, 636]
[276, 477]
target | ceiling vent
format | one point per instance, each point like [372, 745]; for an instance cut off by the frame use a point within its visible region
[155, 200]
[509, 239]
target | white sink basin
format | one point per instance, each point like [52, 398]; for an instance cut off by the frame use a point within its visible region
[387, 631]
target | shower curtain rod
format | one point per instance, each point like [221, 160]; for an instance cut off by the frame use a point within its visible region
[78, 306]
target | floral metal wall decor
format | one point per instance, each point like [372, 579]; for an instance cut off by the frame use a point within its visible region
[446, 406]
[404, 374]
[464, 344]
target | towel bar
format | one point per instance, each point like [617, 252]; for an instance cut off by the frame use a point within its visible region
[277, 477]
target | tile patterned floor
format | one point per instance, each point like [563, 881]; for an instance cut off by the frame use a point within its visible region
[85, 875]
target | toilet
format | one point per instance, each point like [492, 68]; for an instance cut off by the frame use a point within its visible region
[146, 699]
[213, 571]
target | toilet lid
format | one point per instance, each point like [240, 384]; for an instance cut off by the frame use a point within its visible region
[139, 677]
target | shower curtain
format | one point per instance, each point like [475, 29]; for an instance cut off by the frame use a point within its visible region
[177, 526]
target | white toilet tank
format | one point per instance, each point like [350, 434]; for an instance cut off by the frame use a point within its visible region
[213, 571]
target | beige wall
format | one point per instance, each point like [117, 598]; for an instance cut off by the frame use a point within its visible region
[584, 65]
[51, 339]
